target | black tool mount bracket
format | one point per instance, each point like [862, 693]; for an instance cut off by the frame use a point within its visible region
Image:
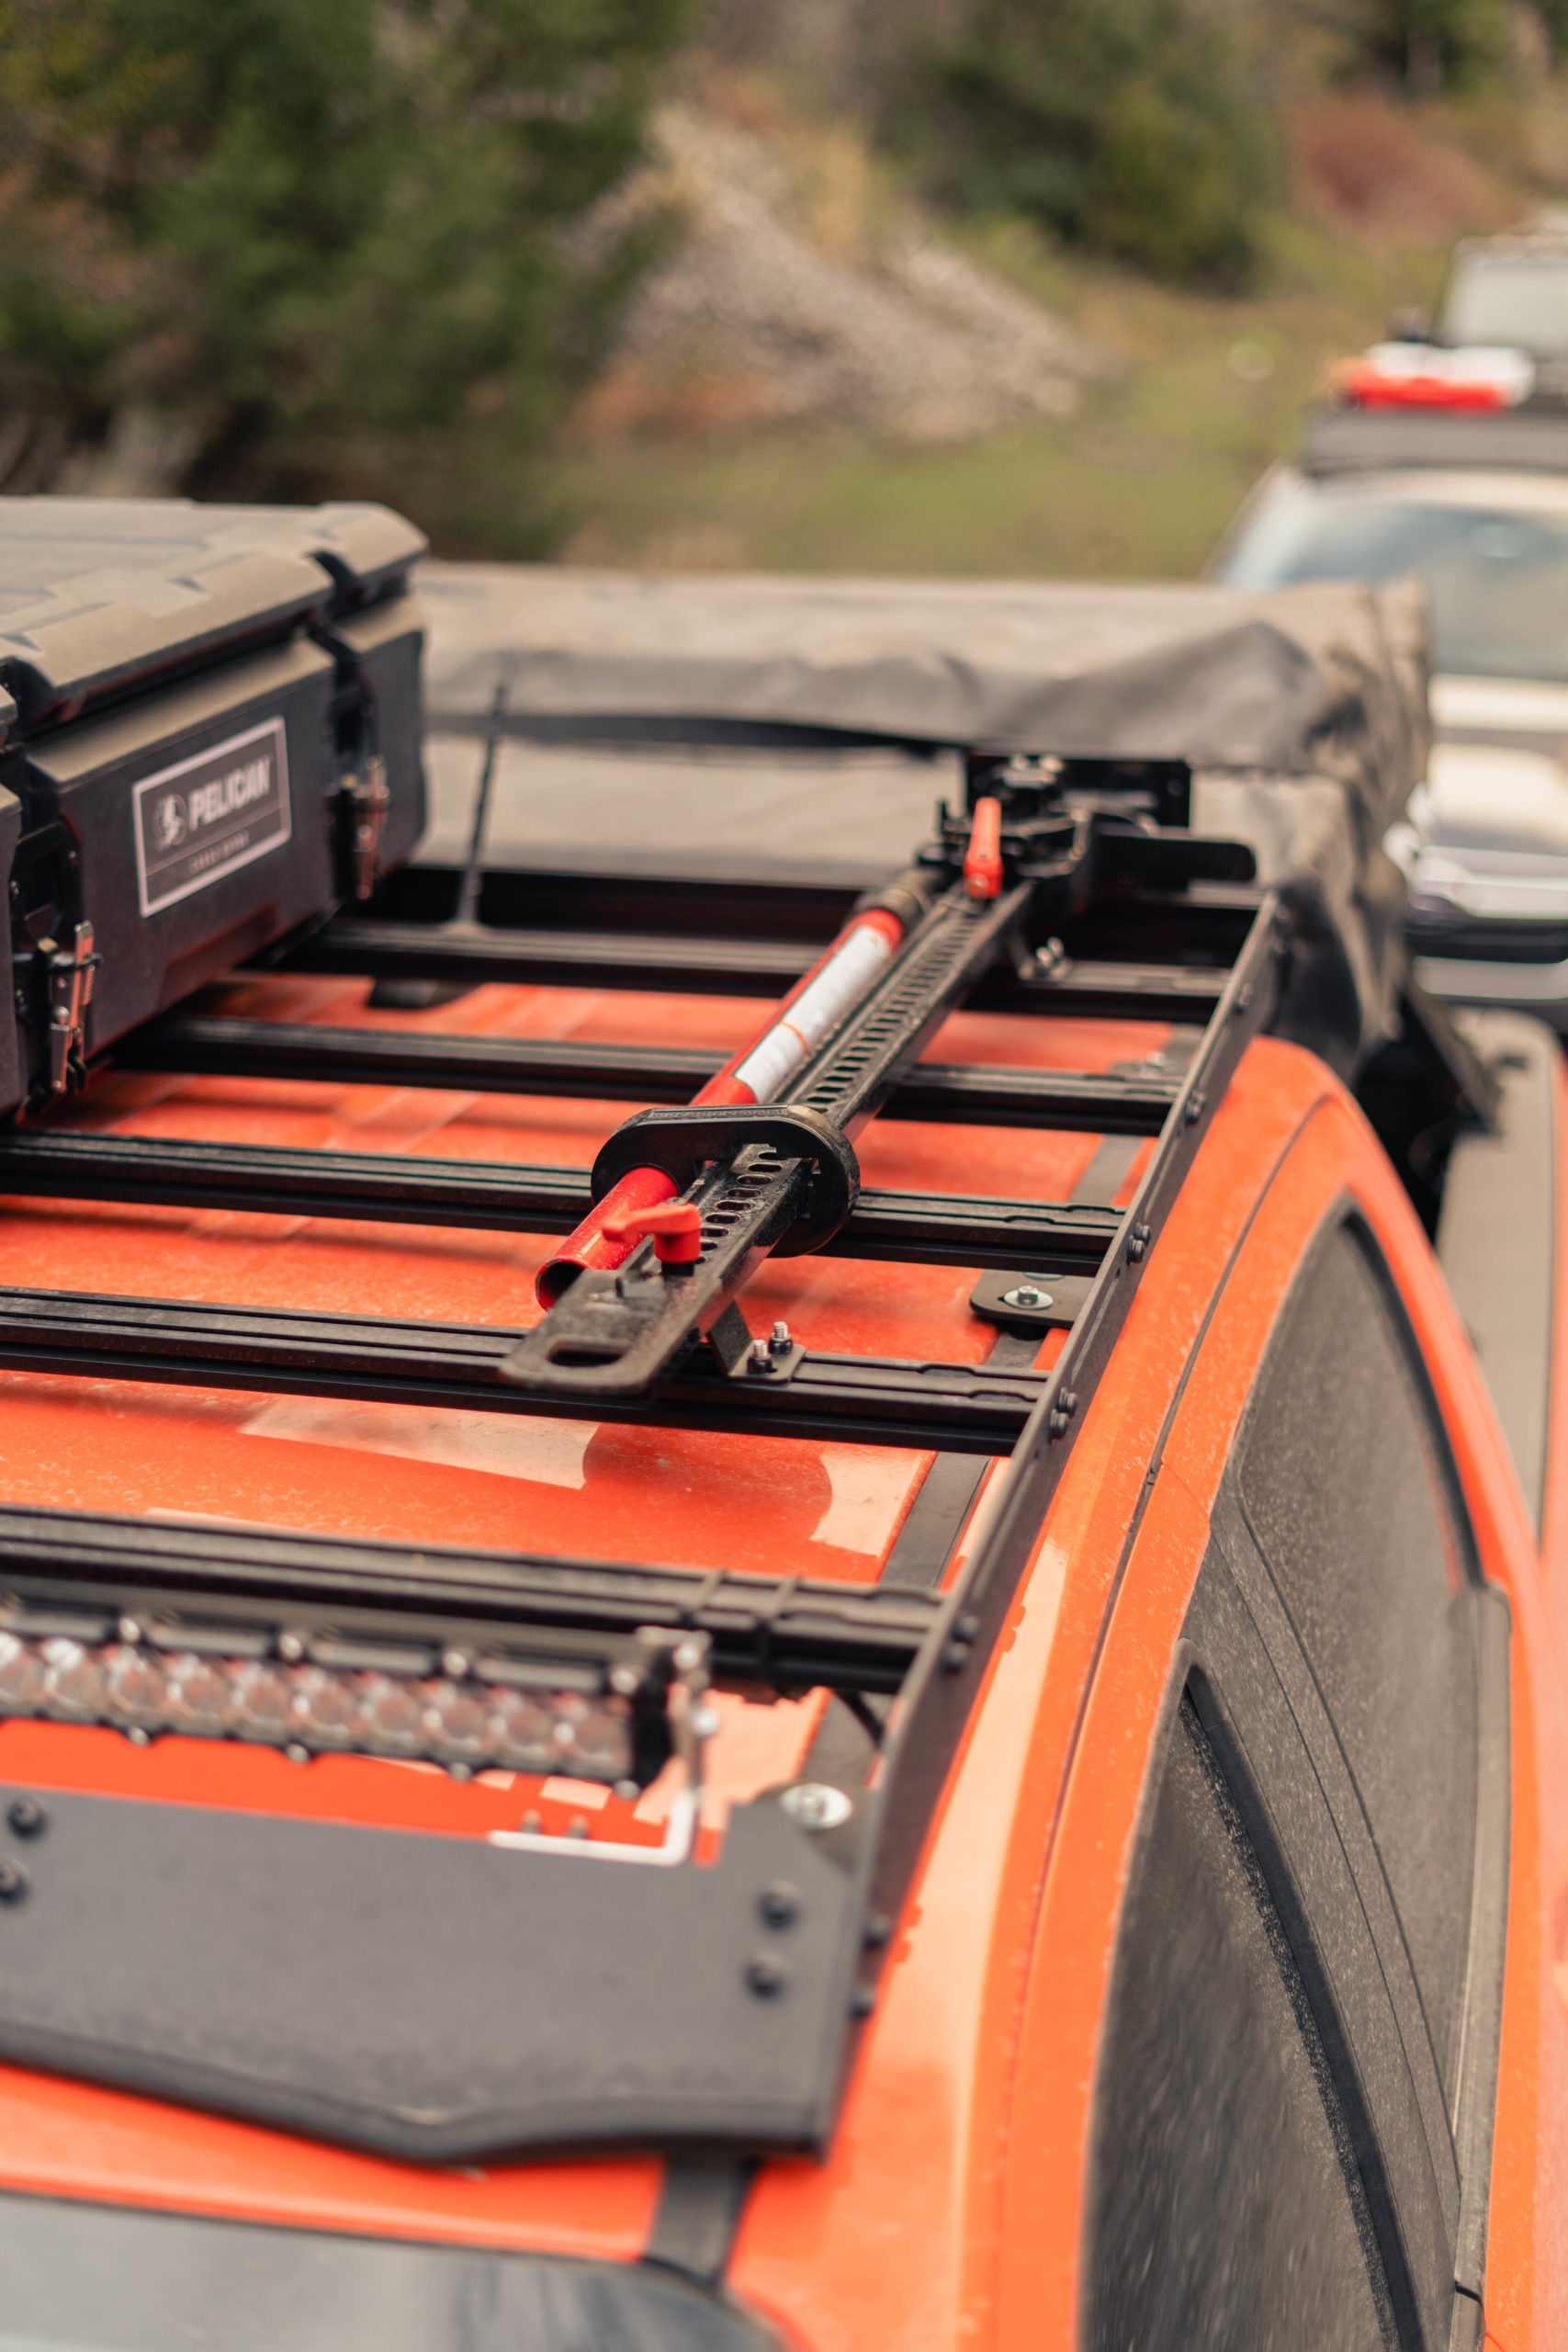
[683, 1143]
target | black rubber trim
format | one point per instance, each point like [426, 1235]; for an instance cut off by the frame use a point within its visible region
[701, 2201]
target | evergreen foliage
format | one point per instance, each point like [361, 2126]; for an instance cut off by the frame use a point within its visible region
[1134, 126]
[310, 237]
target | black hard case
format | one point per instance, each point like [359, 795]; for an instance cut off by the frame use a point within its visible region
[201, 654]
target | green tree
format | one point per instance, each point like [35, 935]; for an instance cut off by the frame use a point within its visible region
[1432, 45]
[1134, 126]
[326, 243]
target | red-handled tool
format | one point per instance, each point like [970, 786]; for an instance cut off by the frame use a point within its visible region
[676, 1230]
[760, 1072]
[983, 859]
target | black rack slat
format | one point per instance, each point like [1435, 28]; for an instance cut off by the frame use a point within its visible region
[208, 1045]
[872, 1400]
[158, 1171]
[352, 944]
[773, 1629]
[357, 944]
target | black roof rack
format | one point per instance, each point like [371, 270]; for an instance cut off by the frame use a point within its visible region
[1532, 439]
[448, 1999]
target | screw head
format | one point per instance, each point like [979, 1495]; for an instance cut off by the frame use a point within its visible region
[12, 1882]
[291, 1646]
[455, 1664]
[779, 1904]
[130, 1632]
[816, 1805]
[27, 1817]
[779, 1340]
[760, 1359]
[1027, 1295]
[625, 1681]
[766, 1975]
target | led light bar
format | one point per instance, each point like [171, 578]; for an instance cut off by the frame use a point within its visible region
[595, 1722]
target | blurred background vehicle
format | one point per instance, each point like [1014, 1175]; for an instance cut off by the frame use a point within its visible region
[1489, 914]
[1511, 290]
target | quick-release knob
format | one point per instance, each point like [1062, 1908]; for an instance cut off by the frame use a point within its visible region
[675, 1229]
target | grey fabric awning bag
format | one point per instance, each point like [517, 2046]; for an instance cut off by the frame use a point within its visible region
[1301, 712]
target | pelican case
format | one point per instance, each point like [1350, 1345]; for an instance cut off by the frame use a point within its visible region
[210, 739]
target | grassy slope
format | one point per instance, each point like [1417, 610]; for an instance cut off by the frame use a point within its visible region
[1143, 478]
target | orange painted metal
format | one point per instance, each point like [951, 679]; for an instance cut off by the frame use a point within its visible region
[949, 2212]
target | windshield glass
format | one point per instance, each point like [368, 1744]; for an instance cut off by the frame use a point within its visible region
[103, 2279]
[1522, 301]
[1497, 582]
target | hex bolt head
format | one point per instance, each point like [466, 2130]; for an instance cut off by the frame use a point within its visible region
[779, 1904]
[760, 1359]
[12, 1882]
[766, 1975]
[779, 1340]
[817, 1805]
[291, 1647]
[1027, 1295]
[26, 1817]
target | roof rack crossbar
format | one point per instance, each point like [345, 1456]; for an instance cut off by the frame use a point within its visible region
[931, 1227]
[873, 1401]
[352, 946]
[1129, 1102]
[784, 1632]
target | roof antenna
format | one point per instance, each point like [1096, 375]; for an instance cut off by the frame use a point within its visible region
[469, 894]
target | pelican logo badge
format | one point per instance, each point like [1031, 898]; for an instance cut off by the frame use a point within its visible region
[213, 813]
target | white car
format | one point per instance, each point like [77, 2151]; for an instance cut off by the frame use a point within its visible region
[1489, 911]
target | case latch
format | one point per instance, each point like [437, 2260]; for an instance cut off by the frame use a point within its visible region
[70, 971]
[366, 798]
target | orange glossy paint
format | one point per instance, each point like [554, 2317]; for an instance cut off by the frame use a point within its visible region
[948, 2214]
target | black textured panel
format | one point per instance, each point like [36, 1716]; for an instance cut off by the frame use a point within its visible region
[434, 1997]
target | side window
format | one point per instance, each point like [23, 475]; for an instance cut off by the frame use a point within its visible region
[1226, 2210]
[1341, 1477]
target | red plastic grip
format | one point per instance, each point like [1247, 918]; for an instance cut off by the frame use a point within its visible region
[676, 1230]
[983, 860]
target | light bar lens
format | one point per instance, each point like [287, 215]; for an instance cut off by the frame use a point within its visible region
[465, 1723]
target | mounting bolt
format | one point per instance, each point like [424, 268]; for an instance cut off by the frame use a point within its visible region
[766, 1975]
[1197, 1102]
[688, 1656]
[12, 1882]
[625, 1681]
[1027, 1295]
[817, 1805]
[779, 1340]
[779, 1904]
[291, 1647]
[455, 1664]
[1137, 1243]
[130, 1632]
[27, 1817]
[760, 1359]
[863, 2000]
